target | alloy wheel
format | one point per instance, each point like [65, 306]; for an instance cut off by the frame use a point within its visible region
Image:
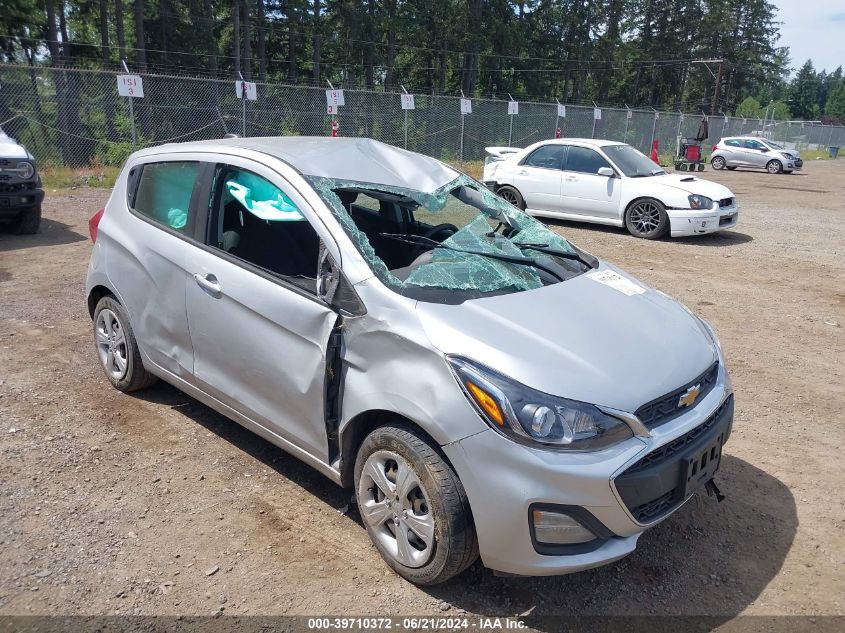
[645, 217]
[508, 195]
[111, 344]
[395, 507]
[718, 163]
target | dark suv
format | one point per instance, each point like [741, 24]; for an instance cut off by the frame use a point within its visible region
[20, 188]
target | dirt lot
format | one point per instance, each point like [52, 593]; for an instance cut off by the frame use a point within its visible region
[154, 504]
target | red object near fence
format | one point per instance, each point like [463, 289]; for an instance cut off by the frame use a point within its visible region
[653, 156]
[693, 152]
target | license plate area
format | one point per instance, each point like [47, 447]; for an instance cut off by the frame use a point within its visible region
[699, 466]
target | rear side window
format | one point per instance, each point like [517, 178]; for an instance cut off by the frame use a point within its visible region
[546, 157]
[754, 144]
[584, 160]
[164, 192]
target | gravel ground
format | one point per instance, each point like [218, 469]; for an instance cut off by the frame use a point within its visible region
[154, 504]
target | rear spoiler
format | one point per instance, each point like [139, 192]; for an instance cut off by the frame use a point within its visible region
[502, 152]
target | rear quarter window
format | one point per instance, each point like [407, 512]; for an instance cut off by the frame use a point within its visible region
[164, 191]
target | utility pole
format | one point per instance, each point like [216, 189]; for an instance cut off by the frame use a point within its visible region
[717, 90]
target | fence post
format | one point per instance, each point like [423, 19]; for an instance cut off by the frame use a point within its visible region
[131, 112]
[406, 119]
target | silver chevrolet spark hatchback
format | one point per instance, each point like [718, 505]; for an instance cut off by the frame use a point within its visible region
[484, 385]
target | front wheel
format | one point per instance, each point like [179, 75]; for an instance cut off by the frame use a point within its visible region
[774, 167]
[413, 506]
[27, 222]
[509, 194]
[718, 163]
[647, 219]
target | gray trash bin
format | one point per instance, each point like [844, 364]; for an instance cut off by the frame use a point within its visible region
[834, 151]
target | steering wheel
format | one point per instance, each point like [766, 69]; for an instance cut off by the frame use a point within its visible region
[431, 233]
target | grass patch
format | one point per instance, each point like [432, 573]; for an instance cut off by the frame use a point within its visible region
[473, 168]
[814, 154]
[56, 177]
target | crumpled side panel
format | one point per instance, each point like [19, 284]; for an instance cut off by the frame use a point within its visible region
[449, 269]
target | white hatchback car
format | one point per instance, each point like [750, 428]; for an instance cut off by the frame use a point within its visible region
[608, 182]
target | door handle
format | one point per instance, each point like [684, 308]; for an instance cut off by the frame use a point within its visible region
[208, 282]
[571, 179]
[522, 172]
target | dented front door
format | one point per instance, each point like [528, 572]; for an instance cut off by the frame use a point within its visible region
[260, 347]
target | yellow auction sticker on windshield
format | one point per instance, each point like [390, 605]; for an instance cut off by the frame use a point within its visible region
[616, 281]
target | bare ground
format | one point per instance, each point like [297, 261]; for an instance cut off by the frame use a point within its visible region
[154, 504]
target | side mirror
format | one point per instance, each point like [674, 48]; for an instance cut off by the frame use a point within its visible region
[606, 171]
[333, 288]
[764, 149]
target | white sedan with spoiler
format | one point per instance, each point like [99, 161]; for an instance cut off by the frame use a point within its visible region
[608, 182]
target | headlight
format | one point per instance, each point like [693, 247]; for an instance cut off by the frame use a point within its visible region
[699, 202]
[529, 416]
[25, 170]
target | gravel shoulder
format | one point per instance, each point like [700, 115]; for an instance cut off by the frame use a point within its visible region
[154, 504]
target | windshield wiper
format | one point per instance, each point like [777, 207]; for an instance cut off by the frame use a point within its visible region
[511, 259]
[579, 256]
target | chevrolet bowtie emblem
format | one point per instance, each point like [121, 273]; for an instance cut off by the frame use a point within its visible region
[687, 398]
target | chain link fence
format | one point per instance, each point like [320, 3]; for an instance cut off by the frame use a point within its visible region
[75, 117]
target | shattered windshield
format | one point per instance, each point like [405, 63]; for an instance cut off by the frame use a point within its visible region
[455, 239]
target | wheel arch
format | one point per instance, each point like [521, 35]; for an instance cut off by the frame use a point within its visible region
[356, 429]
[95, 294]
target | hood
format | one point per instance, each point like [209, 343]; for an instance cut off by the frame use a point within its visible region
[10, 149]
[579, 339]
[693, 184]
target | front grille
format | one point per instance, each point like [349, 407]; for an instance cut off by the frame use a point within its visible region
[667, 451]
[665, 408]
[15, 187]
[652, 487]
[726, 202]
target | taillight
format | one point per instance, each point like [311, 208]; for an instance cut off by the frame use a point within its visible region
[715, 147]
[94, 223]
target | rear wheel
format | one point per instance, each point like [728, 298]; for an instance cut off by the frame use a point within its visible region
[413, 506]
[718, 162]
[647, 218]
[509, 194]
[774, 167]
[117, 347]
[27, 222]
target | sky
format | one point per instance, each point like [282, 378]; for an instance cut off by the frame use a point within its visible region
[813, 29]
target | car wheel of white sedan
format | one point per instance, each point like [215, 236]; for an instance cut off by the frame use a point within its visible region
[718, 162]
[647, 218]
[509, 194]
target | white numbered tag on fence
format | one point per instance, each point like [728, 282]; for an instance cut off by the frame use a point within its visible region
[335, 97]
[332, 109]
[681, 118]
[744, 121]
[561, 110]
[597, 114]
[466, 106]
[656, 115]
[513, 107]
[629, 114]
[408, 102]
[130, 86]
[726, 121]
[246, 90]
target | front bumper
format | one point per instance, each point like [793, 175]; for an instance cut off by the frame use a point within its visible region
[793, 165]
[684, 222]
[503, 480]
[13, 202]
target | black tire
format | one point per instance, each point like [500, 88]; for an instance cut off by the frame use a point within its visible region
[510, 194]
[455, 546]
[719, 163]
[732, 168]
[27, 222]
[647, 218]
[135, 376]
[774, 166]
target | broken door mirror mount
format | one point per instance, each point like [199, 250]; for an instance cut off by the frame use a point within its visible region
[334, 289]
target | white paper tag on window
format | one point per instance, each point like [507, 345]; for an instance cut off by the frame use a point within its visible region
[616, 281]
